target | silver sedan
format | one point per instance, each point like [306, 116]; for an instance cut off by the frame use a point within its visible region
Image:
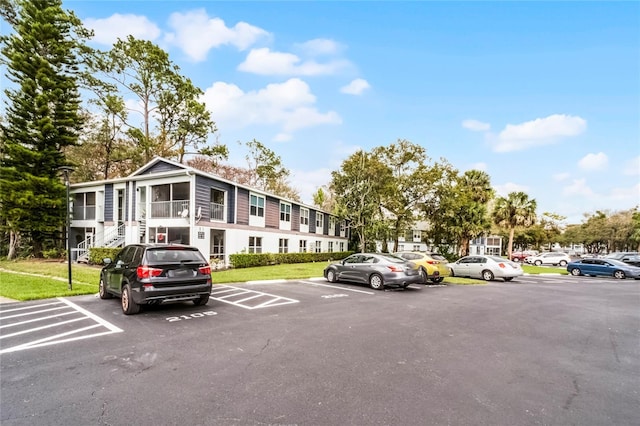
[375, 269]
[486, 268]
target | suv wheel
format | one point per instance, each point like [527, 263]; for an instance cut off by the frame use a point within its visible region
[103, 290]
[129, 307]
[202, 300]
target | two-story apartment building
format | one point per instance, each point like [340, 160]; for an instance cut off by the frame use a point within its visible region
[169, 202]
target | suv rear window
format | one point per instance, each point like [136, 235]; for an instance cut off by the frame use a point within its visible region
[162, 255]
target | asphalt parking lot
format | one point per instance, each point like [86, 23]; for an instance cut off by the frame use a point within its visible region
[538, 351]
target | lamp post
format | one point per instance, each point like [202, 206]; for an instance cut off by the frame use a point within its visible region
[66, 170]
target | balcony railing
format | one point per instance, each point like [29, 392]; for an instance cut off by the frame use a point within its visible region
[217, 211]
[169, 209]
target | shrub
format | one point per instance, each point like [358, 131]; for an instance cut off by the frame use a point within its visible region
[96, 254]
[245, 260]
[54, 253]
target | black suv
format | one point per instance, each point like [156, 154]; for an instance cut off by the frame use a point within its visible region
[155, 273]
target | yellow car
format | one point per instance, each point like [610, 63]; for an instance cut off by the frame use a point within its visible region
[433, 267]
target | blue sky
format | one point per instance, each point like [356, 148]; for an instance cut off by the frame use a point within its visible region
[543, 96]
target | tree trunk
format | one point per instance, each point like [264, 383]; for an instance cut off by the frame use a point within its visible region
[512, 231]
[14, 240]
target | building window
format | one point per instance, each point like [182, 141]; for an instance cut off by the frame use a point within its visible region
[303, 245]
[256, 206]
[285, 212]
[417, 235]
[304, 216]
[330, 246]
[255, 244]
[217, 204]
[318, 246]
[84, 206]
[319, 220]
[416, 247]
[343, 227]
[493, 241]
[341, 246]
[162, 235]
[283, 245]
[170, 200]
[332, 225]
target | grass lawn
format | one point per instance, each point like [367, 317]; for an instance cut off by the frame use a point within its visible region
[38, 279]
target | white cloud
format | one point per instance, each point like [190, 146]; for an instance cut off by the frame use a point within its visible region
[265, 62]
[318, 47]
[289, 105]
[594, 162]
[507, 188]
[108, 30]
[476, 126]
[196, 33]
[578, 187]
[538, 132]
[356, 87]
[561, 176]
[632, 167]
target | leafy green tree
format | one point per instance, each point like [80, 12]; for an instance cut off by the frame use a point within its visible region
[406, 186]
[357, 187]
[173, 120]
[457, 210]
[42, 116]
[514, 211]
[267, 171]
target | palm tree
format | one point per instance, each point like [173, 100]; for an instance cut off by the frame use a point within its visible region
[516, 210]
[479, 183]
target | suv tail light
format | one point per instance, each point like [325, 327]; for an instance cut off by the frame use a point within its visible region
[145, 271]
[205, 270]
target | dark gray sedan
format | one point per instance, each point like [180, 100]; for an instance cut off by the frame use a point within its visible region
[375, 269]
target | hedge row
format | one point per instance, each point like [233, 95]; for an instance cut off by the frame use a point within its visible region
[244, 260]
[96, 254]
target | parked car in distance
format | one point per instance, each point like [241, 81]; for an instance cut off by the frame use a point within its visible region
[144, 274]
[607, 267]
[551, 258]
[633, 260]
[433, 266]
[375, 269]
[621, 255]
[520, 256]
[486, 268]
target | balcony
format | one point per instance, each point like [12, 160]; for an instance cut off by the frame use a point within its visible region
[169, 209]
[217, 211]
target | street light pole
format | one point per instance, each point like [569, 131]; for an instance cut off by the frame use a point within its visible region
[66, 170]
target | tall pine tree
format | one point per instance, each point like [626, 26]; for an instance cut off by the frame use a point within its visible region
[41, 57]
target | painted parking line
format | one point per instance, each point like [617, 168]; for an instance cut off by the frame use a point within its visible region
[355, 290]
[247, 299]
[34, 326]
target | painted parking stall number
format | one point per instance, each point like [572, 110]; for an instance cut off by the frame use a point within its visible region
[194, 315]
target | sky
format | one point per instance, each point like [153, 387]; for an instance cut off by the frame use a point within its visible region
[543, 96]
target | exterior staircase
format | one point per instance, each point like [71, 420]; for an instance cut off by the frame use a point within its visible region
[114, 237]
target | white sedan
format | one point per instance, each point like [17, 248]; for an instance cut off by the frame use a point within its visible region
[486, 268]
